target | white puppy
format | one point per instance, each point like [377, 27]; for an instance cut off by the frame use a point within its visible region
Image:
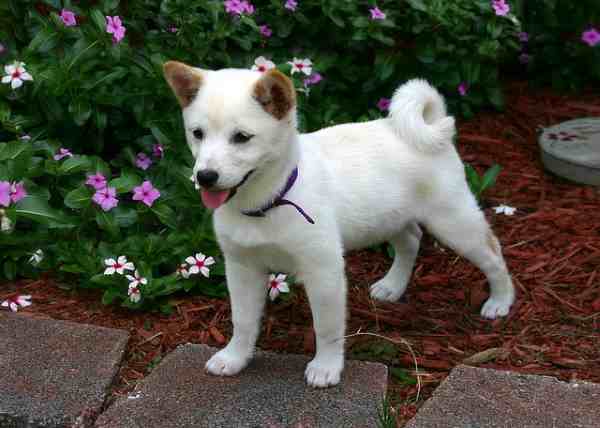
[289, 202]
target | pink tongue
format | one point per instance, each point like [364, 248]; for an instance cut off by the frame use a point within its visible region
[214, 200]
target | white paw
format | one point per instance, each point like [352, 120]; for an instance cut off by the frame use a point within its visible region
[324, 372]
[496, 307]
[386, 291]
[226, 363]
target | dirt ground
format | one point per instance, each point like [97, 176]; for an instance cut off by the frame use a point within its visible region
[551, 245]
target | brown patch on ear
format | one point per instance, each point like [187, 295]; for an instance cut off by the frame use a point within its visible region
[184, 80]
[275, 93]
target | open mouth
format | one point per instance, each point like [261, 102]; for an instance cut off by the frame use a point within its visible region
[213, 199]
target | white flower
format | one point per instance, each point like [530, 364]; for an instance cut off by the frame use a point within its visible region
[119, 266]
[301, 66]
[183, 271]
[262, 64]
[13, 304]
[36, 257]
[134, 294]
[199, 264]
[136, 280]
[504, 209]
[16, 74]
[277, 285]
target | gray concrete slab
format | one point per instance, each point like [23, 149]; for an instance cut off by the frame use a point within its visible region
[55, 373]
[484, 398]
[270, 392]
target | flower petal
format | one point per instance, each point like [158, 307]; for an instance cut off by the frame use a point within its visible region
[205, 271]
[190, 260]
[110, 262]
[16, 83]
[283, 287]
[209, 261]
[194, 270]
[109, 271]
[273, 293]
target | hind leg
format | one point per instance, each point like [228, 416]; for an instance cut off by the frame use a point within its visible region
[406, 246]
[463, 228]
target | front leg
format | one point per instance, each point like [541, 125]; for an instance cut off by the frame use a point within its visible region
[247, 291]
[325, 284]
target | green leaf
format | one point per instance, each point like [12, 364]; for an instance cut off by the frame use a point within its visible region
[10, 269]
[489, 178]
[37, 209]
[106, 221]
[110, 296]
[418, 5]
[79, 198]
[473, 180]
[74, 164]
[98, 19]
[403, 376]
[165, 214]
[44, 40]
[80, 110]
[102, 279]
[126, 182]
[125, 217]
[496, 97]
[160, 136]
[13, 150]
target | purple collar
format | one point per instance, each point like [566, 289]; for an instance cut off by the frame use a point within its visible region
[279, 201]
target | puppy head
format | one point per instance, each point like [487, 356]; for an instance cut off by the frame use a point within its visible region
[237, 122]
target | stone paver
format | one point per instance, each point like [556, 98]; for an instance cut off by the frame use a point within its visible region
[55, 373]
[484, 398]
[270, 392]
[572, 150]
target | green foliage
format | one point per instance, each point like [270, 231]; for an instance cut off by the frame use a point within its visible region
[479, 184]
[385, 415]
[557, 53]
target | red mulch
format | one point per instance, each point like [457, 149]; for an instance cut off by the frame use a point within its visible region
[552, 247]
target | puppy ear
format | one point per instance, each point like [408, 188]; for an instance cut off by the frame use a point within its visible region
[275, 93]
[184, 80]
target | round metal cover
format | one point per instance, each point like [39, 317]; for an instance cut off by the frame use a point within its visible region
[572, 150]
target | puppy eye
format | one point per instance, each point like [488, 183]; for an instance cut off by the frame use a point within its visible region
[241, 137]
[198, 134]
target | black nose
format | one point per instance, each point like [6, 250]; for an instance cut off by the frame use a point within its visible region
[207, 177]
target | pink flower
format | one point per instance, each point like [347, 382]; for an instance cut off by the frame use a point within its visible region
[14, 303]
[16, 74]
[301, 66]
[524, 58]
[136, 280]
[115, 27]
[2, 49]
[199, 263]
[119, 266]
[145, 193]
[500, 7]
[173, 29]
[291, 5]
[68, 18]
[523, 36]
[238, 7]
[142, 161]
[376, 14]
[383, 104]
[106, 198]
[463, 88]
[262, 64]
[63, 153]
[4, 193]
[265, 30]
[97, 181]
[17, 191]
[158, 151]
[591, 37]
[277, 285]
[313, 79]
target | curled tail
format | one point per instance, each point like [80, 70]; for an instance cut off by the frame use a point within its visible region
[418, 114]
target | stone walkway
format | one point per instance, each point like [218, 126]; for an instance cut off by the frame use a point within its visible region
[58, 374]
